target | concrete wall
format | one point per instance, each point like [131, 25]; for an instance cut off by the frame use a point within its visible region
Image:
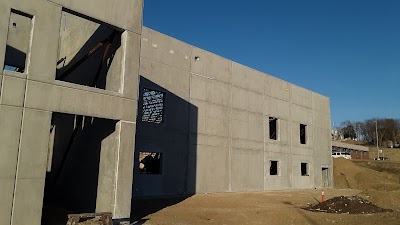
[214, 134]
[229, 148]
[28, 100]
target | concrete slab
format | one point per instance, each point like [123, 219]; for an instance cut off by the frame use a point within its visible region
[10, 127]
[126, 15]
[13, 91]
[299, 181]
[32, 156]
[276, 108]
[28, 197]
[276, 88]
[6, 195]
[301, 114]
[247, 170]
[300, 96]
[218, 93]
[174, 80]
[198, 87]
[41, 61]
[283, 132]
[247, 78]
[280, 181]
[164, 49]
[211, 65]
[321, 103]
[212, 176]
[295, 131]
[64, 99]
[277, 148]
[247, 144]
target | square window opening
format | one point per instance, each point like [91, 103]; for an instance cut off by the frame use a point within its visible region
[303, 135]
[150, 162]
[304, 169]
[18, 42]
[89, 53]
[273, 128]
[274, 168]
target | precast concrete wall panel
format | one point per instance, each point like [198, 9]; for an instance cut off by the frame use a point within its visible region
[247, 170]
[280, 181]
[230, 107]
[247, 78]
[127, 14]
[42, 60]
[299, 181]
[29, 97]
[276, 88]
[211, 65]
[301, 96]
[166, 50]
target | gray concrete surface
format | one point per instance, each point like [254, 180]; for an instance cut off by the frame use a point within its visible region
[30, 100]
[230, 105]
[71, 144]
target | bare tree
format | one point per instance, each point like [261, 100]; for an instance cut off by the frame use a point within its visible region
[347, 129]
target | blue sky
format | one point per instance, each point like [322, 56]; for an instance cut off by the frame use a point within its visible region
[348, 50]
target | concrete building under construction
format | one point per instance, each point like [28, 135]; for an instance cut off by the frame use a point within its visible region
[96, 110]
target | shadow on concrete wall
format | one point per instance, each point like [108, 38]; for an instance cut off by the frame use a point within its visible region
[72, 183]
[173, 139]
[90, 70]
[14, 58]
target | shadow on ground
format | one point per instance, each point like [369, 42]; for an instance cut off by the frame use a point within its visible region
[143, 207]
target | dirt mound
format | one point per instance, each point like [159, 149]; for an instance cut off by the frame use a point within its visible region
[380, 183]
[385, 199]
[348, 205]
[348, 174]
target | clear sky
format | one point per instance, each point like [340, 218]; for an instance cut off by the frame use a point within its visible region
[348, 50]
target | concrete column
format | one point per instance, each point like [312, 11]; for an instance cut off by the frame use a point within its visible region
[31, 168]
[114, 189]
[10, 127]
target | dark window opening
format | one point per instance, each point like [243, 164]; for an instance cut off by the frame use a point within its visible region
[303, 136]
[150, 162]
[153, 106]
[304, 169]
[273, 128]
[18, 41]
[95, 58]
[273, 169]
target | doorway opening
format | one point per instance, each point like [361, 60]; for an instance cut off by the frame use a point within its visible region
[325, 177]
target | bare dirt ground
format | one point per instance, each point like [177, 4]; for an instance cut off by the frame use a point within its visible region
[279, 207]
[376, 182]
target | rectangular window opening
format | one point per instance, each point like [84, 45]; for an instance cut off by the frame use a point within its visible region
[274, 168]
[150, 162]
[90, 52]
[304, 169]
[153, 106]
[18, 41]
[273, 128]
[303, 135]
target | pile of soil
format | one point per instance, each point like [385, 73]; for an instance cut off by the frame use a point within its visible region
[348, 174]
[347, 205]
[380, 182]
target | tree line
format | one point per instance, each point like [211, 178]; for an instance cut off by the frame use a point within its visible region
[388, 130]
